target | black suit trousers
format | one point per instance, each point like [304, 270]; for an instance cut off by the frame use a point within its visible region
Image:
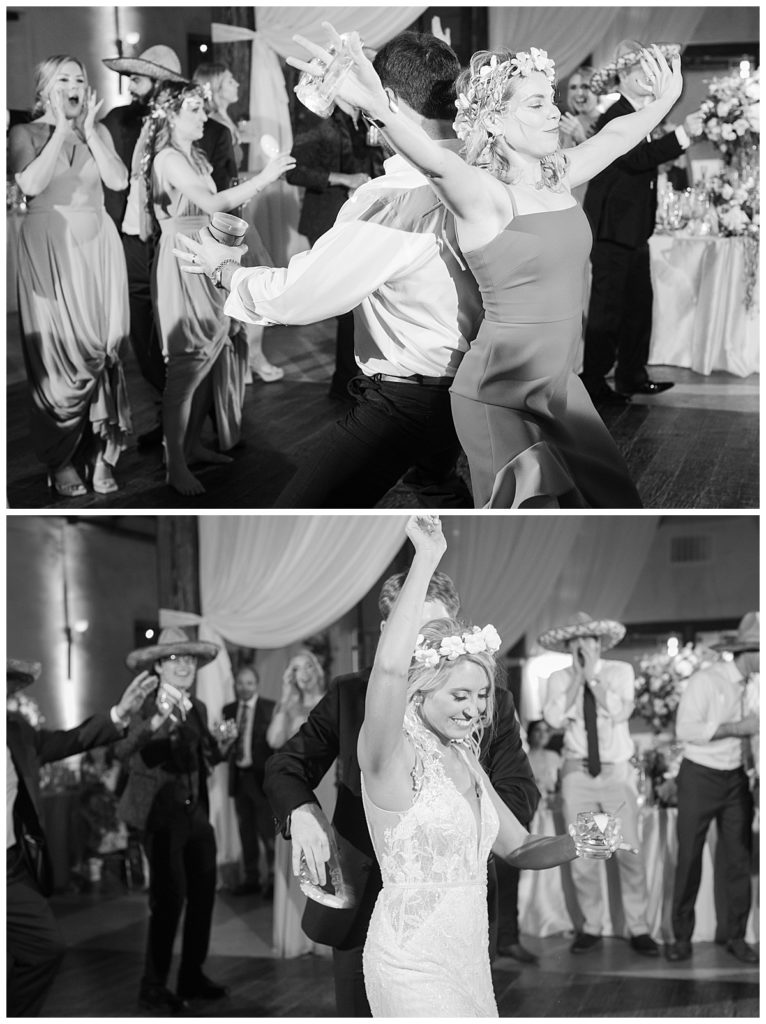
[143, 333]
[619, 326]
[182, 872]
[255, 821]
[394, 428]
[706, 795]
[34, 944]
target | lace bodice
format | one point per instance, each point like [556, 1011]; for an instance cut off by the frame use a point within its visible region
[427, 946]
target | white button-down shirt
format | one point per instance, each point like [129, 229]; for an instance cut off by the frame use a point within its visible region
[614, 742]
[247, 739]
[11, 792]
[392, 257]
[713, 696]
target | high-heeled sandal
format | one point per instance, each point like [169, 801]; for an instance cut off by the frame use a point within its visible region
[73, 489]
[267, 371]
[103, 485]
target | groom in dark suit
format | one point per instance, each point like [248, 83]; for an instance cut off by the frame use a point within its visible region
[34, 945]
[247, 760]
[331, 732]
[621, 205]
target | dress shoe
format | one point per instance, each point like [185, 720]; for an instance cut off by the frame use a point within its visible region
[584, 943]
[648, 387]
[645, 945]
[680, 950]
[199, 986]
[517, 952]
[605, 396]
[160, 1001]
[740, 949]
[245, 889]
[151, 439]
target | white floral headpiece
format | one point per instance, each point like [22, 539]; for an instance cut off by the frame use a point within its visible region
[473, 641]
[486, 91]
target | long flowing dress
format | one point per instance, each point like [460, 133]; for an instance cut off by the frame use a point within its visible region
[531, 433]
[73, 304]
[427, 948]
[193, 329]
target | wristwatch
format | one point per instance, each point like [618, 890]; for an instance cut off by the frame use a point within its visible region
[393, 106]
[215, 277]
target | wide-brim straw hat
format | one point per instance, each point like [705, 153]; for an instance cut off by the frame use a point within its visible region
[607, 631]
[21, 673]
[158, 62]
[627, 55]
[748, 636]
[172, 640]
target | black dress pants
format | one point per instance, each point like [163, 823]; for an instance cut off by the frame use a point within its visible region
[182, 873]
[144, 338]
[705, 795]
[619, 326]
[34, 944]
[256, 821]
[394, 429]
[350, 993]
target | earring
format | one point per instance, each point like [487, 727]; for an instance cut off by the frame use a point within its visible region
[417, 700]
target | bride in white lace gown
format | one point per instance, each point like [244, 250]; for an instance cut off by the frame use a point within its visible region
[432, 812]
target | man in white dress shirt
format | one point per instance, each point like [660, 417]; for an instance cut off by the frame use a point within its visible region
[718, 725]
[392, 257]
[592, 701]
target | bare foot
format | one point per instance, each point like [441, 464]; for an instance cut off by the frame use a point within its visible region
[206, 455]
[184, 482]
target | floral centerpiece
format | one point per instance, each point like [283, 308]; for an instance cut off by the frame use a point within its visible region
[26, 706]
[736, 200]
[662, 679]
[732, 113]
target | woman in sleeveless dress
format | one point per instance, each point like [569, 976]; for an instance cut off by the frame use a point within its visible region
[531, 433]
[303, 686]
[73, 289]
[224, 92]
[204, 367]
[432, 812]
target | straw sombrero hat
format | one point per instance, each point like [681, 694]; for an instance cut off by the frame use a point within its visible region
[608, 632]
[158, 62]
[748, 636]
[172, 640]
[21, 673]
[627, 55]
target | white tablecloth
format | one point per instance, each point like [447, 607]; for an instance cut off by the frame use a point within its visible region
[699, 316]
[548, 904]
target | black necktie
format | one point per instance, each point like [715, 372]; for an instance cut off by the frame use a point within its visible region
[239, 751]
[591, 730]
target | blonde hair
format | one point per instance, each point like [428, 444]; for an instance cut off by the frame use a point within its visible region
[480, 147]
[44, 74]
[422, 679]
[210, 73]
[319, 676]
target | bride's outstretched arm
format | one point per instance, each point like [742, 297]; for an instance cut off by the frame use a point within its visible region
[467, 191]
[381, 735]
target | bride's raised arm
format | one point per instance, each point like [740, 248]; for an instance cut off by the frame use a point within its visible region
[465, 190]
[381, 737]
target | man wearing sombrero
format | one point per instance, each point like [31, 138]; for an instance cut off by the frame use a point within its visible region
[621, 205]
[34, 944]
[718, 722]
[169, 750]
[592, 701]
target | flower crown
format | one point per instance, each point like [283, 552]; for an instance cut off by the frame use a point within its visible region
[473, 641]
[173, 101]
[486, 90]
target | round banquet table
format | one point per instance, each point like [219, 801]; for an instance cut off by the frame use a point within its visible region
[699, 316]
[548, 904]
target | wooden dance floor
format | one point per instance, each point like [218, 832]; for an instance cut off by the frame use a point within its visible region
[695, 446]
[106, 934]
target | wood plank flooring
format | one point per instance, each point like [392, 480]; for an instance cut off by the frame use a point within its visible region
[694, 447]
[106, 934]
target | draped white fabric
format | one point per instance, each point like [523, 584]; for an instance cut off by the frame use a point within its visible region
[275, 213]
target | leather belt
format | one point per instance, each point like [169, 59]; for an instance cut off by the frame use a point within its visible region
[414, 378]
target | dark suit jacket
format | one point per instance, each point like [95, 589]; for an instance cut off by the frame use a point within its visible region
[260, 751]
[217, 145]
[156, 760]
[332, 730]
[30, 748]
[621, 201]
[318, 151]
[124, 125]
